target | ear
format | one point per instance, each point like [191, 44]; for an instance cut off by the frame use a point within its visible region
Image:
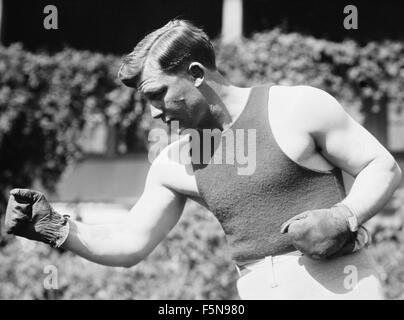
[197, 71]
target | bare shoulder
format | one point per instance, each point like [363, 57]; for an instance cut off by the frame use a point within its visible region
[172, 168]
[295, 114]
[311, 107]
[302, 96]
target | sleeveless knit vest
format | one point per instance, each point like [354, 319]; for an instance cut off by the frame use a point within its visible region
[251, 205]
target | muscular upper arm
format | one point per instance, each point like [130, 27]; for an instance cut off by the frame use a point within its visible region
[159, 207]
[340, 139]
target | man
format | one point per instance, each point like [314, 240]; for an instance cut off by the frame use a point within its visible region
[291, 229]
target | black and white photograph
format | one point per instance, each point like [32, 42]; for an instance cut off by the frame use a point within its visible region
[217, 150]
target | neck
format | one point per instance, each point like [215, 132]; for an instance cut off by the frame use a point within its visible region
[225, 100]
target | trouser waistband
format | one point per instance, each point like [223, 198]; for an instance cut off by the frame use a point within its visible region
[242, 267]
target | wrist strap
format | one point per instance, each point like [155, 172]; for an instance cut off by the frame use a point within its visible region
[65, 229]
[351, 218]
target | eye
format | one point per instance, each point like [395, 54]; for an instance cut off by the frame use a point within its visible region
[157, 95]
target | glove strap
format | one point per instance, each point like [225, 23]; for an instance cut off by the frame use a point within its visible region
[350, 216]
[53, 229]
[65, 230]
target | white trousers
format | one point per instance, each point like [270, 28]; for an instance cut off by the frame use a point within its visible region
[294, 276]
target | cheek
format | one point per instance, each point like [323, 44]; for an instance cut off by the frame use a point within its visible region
[175, 104]
[175, 97]
[197, 107]
[186, 104]
[178, 101]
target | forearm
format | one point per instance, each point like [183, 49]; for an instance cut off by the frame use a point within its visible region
[372, 188]
[106, 244]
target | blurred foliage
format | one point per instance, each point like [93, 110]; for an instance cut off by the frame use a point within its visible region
[191, 263]
[387, 229]
[362, 78]
[46, 100]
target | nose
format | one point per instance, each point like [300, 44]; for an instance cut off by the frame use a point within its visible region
[155, 112]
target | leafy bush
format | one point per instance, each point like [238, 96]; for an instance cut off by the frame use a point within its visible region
[45, 100]
[387, 229]
[191, 263]
[364, 79]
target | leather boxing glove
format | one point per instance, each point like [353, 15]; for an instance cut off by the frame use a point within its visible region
[325, 233]
[30, 215]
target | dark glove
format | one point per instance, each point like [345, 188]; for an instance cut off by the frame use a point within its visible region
[30, 215]
[324, 233]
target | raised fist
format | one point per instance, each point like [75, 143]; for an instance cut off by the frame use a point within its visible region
[30, 215]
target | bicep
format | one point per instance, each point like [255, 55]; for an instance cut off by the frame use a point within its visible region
[341, 139]
[156, 212]
[350, 146]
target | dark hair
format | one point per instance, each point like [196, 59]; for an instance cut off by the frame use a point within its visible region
[171, 46]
